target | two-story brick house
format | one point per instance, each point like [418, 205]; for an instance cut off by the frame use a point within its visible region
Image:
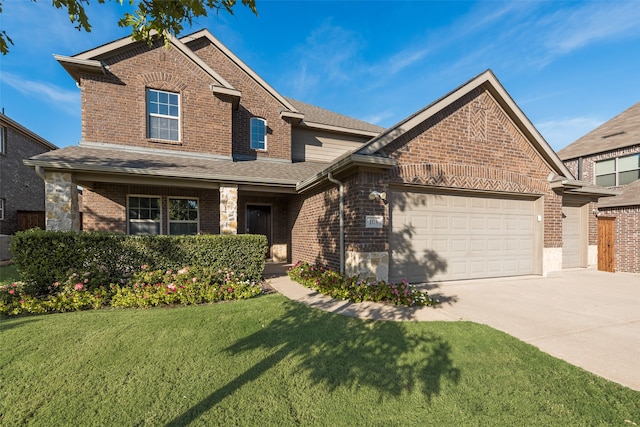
[188, 139]
[609, 156]
[20, 188]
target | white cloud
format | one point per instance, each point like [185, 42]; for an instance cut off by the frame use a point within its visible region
[67, 100]
[560, 133]
[379, 116]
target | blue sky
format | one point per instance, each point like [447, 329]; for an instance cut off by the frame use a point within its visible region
[570, 66]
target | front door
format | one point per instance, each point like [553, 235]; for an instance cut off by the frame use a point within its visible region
[259, 222]
[606, 253]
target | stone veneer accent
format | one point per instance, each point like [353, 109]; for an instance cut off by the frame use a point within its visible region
[367, 265]
[279, 252]
[551, 261]
[229, 209]
[61, 206]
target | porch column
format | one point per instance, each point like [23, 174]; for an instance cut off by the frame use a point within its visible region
[61, 202]
[229, 209]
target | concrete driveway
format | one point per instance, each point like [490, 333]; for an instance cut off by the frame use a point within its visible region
[588, 318]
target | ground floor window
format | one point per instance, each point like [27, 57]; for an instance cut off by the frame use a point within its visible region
[144, 215]
[183, 216]
[1, 209]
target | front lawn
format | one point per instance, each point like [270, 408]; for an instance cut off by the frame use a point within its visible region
[269, 361]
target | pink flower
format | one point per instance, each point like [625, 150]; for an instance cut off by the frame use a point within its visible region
[86, 280]
[21, 301]
[56, 284]
[15, 285]
[12, 291]
[171, 286]
[78, 287]
[194, 280]
[144, 267]
[182, 271]
[169, 272]
[230, 290]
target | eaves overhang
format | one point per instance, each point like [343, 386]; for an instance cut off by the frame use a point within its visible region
[339, 129]
[295, 116]
[346, 164]
[96, 172]
[75, 66]
[583, 188]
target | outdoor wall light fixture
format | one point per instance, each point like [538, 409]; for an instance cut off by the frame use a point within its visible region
[376, 195]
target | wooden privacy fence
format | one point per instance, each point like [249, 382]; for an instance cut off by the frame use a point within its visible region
[32, 219]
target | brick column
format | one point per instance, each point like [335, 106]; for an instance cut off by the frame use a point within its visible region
[61, 202]
[229, 209]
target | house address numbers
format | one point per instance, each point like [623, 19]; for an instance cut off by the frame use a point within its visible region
[374, 221]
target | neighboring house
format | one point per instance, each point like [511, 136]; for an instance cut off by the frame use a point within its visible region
[20, 188]
[609, 156]
[188, 139]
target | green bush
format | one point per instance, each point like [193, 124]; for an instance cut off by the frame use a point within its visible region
[145, 288]
[45, 257]
[354, 289]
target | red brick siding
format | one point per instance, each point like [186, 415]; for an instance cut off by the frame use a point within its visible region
[315, 227]
[256, 102]
[105, 206]
[114, 106]
[472, 144]
[627, 237]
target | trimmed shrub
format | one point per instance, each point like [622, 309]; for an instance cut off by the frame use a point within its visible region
[45, 257]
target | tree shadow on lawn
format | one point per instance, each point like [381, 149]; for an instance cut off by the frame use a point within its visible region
[337, 351]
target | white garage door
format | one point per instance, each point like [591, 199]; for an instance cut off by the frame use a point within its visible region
[441, 237]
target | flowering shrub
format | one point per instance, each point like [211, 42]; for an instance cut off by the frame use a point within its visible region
[354, 289]
[87, 290]
[185, 286]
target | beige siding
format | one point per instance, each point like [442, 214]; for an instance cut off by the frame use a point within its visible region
[321, 146]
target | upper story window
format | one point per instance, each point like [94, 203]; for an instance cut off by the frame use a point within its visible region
[163, 110]
[258, 133]
[183, 216]
[618, 171]
[144, 215]
[3, 138]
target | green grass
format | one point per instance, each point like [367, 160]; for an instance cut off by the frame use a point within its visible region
[270, 361]
[8, 274]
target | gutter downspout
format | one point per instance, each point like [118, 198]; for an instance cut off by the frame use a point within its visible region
[40, 172]
[341, 188]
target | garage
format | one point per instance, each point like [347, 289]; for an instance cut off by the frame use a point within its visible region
[437, 237]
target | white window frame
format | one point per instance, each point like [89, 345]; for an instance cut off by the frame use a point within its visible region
[163, 116]
[616, 172]
[3, 140]
[254, 143]
[1, 209]
[197, 221]
[146, 196]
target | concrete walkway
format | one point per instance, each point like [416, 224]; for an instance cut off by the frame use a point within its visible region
[588, 318]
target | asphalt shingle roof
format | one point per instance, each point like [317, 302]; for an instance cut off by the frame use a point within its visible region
[179, 166]
[326, 117]
[630, 197]
[621, 131]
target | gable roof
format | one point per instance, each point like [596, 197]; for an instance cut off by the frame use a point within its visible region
[10, 123]
[90, 62]
[320, 118]
[489, 82]
[621, 131]
[207, 34]
[630, 197]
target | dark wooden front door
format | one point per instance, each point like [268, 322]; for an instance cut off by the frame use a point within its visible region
[259, 222]
[606, 252]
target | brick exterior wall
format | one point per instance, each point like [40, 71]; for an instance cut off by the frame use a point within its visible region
[20, 187]
[473, 145]
[627, 225]
[114, 107]
[256, 102]
[105, 206]
[627, 238]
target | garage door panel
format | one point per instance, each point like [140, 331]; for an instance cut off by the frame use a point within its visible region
[474, 236]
